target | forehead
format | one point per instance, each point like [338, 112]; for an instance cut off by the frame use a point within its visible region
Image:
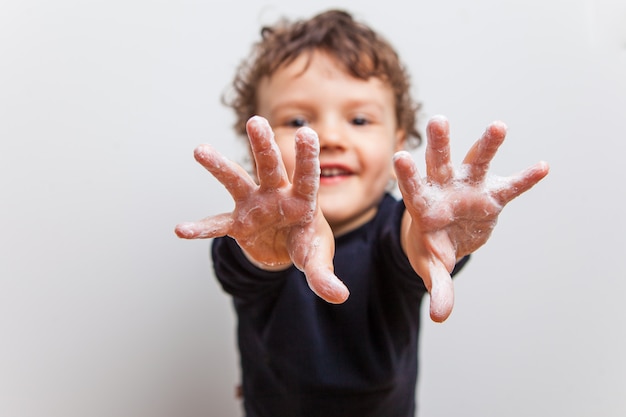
[316, 60]
[319, 73]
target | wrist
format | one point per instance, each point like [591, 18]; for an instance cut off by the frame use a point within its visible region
[266, 266]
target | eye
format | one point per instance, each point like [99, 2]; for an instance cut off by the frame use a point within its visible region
[360, 121]
[297, 122]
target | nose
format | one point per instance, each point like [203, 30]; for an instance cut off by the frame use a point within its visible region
[330, 133]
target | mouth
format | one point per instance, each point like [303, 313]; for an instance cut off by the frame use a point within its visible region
[331, 173]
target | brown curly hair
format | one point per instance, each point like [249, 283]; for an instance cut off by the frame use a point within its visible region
[359, 49]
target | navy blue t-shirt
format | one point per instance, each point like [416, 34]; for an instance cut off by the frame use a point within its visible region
[303, 357]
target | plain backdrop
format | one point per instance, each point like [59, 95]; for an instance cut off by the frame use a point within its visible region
[105, 313]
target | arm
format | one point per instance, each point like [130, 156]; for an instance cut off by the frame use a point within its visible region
[277, 222]
[451, 213]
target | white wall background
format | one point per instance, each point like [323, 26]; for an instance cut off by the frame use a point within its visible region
[104, 312]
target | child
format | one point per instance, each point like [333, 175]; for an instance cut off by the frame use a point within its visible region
[319, 210]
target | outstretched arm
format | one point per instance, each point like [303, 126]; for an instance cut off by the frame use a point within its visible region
[276, 222]
[451, 213]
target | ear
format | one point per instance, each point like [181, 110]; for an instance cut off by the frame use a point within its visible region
[400, 137]
[400, 142]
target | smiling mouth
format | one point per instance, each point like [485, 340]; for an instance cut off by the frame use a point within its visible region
[332, 172]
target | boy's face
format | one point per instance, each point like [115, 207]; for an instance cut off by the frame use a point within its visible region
[356, 124]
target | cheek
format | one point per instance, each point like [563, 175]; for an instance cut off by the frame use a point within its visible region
[380, 160]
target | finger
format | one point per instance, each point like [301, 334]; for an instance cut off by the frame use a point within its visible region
[214, 226]
[520, 183]
[269, 164]
[441, 293]
[325, 284]
[306, 176]
[409, 181]
[439, 168]
[312, 249]
[232, 176]
[481, 154]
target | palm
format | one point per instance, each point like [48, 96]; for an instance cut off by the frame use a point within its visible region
[453, 212]
[276, 222]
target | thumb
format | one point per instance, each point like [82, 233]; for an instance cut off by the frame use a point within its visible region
[441, 293]
[312, 251]
[325, 284]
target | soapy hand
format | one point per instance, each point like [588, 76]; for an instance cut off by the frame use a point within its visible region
[451, 213]
[276, 222]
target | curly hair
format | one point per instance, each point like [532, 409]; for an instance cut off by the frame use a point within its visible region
[359, 49]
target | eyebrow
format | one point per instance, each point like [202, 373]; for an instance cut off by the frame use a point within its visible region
[304, 104]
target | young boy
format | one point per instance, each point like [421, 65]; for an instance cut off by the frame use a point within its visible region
[337, 100]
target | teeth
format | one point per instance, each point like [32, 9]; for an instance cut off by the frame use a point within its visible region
[333, 171]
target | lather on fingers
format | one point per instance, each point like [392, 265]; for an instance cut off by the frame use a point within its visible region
[269, 163]
[480, 155]
[306, 176]
[235, 179]
[439, 168]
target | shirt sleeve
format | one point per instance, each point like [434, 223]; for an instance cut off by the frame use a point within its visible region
[238, 276]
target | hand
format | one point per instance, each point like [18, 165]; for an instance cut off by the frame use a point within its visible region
[276, 222]
[451, 213]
